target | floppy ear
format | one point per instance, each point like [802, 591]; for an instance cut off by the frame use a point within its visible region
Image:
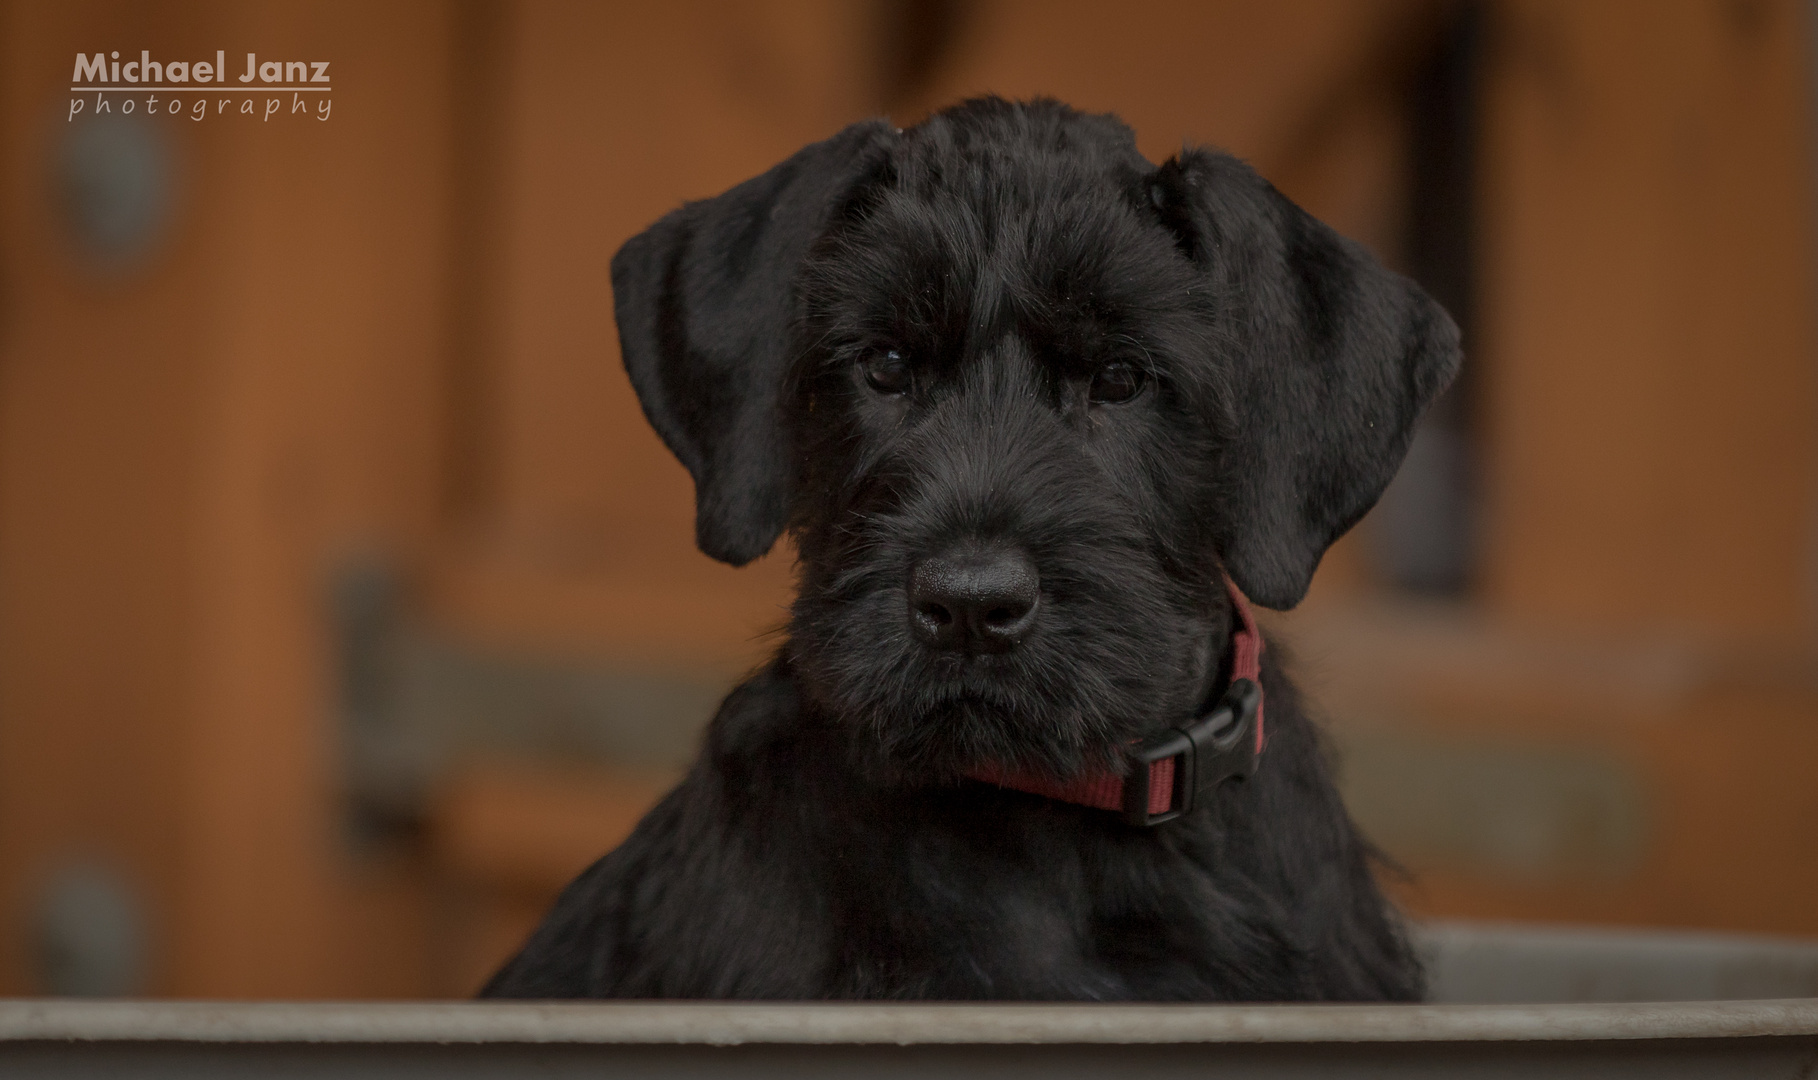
[1334, 359]
[706, 309]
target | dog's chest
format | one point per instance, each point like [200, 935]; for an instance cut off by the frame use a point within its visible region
[1009, 898]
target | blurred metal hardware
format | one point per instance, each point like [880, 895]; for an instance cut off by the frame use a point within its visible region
[114, 181]
[416, 701]
[89, 936]
[1422, 533]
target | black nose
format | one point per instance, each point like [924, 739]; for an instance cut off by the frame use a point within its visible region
[975, 599]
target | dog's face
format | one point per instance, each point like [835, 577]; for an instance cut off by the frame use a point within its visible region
[1024, 399]
[1008, 425]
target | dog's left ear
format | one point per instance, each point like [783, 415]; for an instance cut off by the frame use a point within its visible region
[706, 308]
[1335, 358]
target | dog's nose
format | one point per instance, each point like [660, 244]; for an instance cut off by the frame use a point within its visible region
[978, 600]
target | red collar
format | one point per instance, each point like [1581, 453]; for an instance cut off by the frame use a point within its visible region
[1224, 743]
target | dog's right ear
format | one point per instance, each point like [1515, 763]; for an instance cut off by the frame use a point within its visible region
[706, 308]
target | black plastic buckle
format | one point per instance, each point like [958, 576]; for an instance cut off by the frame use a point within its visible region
[1219, 746]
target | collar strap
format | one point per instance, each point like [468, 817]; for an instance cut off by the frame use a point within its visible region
[1176, 769]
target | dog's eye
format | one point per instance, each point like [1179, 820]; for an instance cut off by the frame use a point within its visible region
[888, 373]
[1114, 384]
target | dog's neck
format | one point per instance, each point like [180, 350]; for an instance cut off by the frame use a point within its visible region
[1158, 789]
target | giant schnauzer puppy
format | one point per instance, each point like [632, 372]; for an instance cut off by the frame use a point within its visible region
[1038, 415]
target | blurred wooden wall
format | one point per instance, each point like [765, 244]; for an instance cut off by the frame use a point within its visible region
[184, 446]
[392, 333]
[1647, 600]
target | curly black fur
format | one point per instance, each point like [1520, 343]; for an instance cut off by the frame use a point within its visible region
[827, 843]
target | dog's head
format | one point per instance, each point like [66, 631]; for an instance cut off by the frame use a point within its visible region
[1023, 398]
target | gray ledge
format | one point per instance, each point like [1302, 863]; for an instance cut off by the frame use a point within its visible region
[713, 1024]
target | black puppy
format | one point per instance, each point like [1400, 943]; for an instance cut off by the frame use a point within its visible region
[1023, 400]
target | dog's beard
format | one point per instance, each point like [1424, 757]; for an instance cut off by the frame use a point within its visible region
[1120, 649]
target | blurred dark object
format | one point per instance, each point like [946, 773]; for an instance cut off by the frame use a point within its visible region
[914, 36]
[90, 933]
[1422, 533]
[114, 174]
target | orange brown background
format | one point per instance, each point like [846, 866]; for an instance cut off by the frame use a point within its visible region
[390, 335]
